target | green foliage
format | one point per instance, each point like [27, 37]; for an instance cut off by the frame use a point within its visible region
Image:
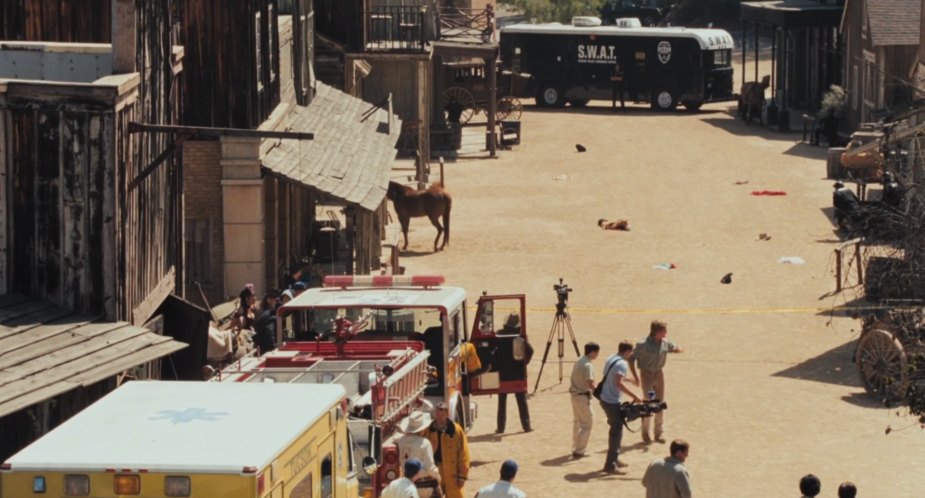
[834, 100]
[556, 10]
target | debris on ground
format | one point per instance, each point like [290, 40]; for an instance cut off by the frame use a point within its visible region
[763, 236]
[580, 148]
[727, 279]
[741, 182]
[791, 260]
[768, 192]
[623, 225]
[664, 266]
[562, 177]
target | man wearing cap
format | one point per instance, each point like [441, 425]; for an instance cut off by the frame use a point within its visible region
[504, 488]
[413, 445]
[650, 356]
[451, 452]
[404, 487]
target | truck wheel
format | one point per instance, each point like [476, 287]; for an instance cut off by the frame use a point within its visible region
[693, 106]
[550, 96]
[578, 102]
[663, 100]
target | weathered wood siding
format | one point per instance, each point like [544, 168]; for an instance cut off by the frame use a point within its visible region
[232, 77]
[342, 21]
[59, 169]
[56, 20]
[79, 238]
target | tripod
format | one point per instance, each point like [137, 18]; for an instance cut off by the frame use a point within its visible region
[560, 324]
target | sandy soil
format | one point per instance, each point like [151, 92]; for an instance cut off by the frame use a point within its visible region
[766, 391]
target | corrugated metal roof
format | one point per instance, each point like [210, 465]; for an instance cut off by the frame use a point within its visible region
[46, 350]
[349, 159]
[894, 22]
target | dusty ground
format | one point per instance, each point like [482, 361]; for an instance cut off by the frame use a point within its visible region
[766, 390]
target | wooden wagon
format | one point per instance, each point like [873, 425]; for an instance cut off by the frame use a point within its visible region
[890, 355]
[467, 91]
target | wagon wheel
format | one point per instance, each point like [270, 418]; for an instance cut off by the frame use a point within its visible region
[883, 364]
[461, 97]
[509, 109]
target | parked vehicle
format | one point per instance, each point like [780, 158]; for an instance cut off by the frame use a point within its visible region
[194, 439]
[617, 9]
[661, 66]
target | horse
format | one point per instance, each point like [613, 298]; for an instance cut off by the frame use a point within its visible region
[751, 99]
[433, 203]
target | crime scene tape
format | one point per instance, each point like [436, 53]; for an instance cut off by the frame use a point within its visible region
[699, 311]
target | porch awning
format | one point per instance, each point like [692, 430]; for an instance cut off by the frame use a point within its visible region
[352, 154]
[46, 350]
[792, 13]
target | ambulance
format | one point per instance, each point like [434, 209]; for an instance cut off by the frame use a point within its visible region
[163, 439]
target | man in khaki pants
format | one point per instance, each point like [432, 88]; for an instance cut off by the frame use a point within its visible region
[582, 384]
[650, 356]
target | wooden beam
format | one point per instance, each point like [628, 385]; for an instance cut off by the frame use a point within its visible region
[5, 148]
[211, 132]
[143, 312]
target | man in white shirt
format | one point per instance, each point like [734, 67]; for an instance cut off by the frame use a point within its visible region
[504, 488]
[413, 445]
[582, 385]
[404, 487]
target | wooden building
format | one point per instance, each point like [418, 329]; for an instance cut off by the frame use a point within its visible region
[256, 206]
[806, 51]
[881, 42]
[90, 212]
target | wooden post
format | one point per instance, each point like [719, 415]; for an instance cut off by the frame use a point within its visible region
[123, 36]
[492, 68]
[756, 51]
[744, 38]
[857, 258]
[442, 177]
[838, 253]
[4, 200]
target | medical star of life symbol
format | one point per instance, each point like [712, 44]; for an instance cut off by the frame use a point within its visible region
[189, 415]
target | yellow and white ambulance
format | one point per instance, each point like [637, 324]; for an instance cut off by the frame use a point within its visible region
[196, 440]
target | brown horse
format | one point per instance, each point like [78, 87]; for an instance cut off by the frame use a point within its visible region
[751, 99]
[433, 203]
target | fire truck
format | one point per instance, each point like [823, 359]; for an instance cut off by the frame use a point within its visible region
[396, 343]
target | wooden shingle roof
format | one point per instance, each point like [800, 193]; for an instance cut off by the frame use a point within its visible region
[894, 22]
[349, 159]
[46, 350]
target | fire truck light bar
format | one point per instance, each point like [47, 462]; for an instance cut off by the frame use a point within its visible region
[345, 281]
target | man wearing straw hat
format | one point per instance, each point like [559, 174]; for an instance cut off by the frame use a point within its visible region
[414, 445]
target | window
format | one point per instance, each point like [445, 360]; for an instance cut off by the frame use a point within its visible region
[722, 58]
[271, 45]
[327, 477]
[198, 240]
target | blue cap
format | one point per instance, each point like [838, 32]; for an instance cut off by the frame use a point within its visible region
[412, 467]
[300, 285]
[509, 469]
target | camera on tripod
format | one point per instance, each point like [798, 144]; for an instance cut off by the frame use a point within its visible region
[632, 411]
[562, 290]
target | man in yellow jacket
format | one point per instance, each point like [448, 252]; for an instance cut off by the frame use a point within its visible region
[451, 452]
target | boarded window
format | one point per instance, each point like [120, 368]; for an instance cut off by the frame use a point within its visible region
[303, 489]
[198, 240]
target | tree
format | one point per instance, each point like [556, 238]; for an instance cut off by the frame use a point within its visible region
[557, 10]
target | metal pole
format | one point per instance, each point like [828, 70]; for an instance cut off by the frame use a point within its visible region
[857, 258]
[837, 270]
[492, 66]
[744, 29]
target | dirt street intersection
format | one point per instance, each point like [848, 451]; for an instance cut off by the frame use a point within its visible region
[766, 390]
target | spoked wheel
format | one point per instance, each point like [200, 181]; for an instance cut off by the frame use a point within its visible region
[883, 364]
[509, 109]
[462, 99]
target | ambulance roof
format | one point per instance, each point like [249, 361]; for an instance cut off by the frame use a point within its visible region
[709, 39]
[448, 298]
[190, 427]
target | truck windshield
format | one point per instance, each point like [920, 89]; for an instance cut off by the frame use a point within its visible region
[369, 323]
[720, 58]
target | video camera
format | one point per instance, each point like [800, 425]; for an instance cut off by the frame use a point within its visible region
[632, 411]
[562, 290]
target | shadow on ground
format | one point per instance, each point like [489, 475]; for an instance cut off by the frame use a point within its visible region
[739, 128]
[835, 366]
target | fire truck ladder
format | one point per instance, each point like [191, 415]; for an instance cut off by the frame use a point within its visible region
[393, 396]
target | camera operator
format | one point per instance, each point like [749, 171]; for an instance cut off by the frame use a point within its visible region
[650, 356]
[615, 371]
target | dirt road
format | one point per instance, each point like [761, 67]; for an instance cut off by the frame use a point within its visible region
[766, 390]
